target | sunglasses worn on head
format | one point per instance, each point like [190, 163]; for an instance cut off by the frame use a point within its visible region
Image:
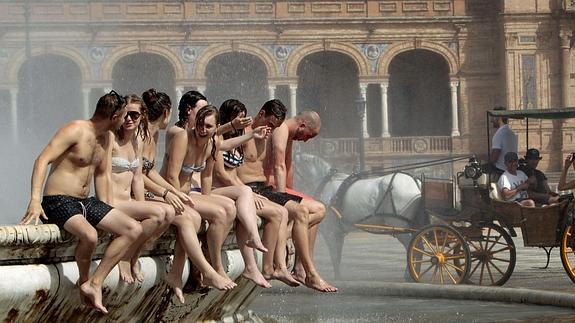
[134, 115]
[119, 102]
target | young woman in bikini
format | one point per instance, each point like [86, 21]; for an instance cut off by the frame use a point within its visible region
[187, 220]
[191, 159]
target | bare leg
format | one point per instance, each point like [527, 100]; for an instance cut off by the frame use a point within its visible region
[218, 212]
[127, 230]
[156, 218]
[316, 214]
[300, 216]
[87, 242]
[189, 244]
[251, 270]
[246, 212]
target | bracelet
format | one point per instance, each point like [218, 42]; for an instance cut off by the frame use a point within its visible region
[232, 124]
[166, 193]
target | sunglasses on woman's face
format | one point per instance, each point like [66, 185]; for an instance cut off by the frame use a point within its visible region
[134, 115]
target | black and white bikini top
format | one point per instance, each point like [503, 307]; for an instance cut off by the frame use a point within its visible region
[147, 165]
[232, 160]
[121, 164]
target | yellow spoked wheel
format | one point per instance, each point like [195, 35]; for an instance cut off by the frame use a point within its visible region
[568, 251]
[438, 254]
[492, 256]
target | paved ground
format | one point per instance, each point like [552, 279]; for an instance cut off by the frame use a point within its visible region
[372, 265]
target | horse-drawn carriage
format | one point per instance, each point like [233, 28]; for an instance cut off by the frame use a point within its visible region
[445, 244]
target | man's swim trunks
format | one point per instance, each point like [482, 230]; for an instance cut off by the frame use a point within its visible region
[60, 208]
[267, 191]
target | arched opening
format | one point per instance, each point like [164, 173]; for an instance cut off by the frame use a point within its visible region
[328, 84]
[136, 73]
[419, 95]
[49, 96]
[239, 76]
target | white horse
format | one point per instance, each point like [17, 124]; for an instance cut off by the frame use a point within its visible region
[393, 199]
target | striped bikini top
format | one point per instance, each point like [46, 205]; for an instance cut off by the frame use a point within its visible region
[231, 160]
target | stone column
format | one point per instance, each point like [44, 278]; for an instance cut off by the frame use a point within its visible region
[86, 102]
[363, 94]
[384, 117]
[565, 66]
[272, 92]
[293, 99]
[179, 94]
[14, 113]
[454, 110]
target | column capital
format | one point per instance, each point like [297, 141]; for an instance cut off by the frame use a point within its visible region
[454, 83]
[566, 37]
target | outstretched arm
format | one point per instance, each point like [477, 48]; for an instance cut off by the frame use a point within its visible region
[260, 132]
[62, 141]
[236, 124]
[563, 184]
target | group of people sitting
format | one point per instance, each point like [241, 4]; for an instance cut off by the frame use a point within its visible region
[220, 166]
[522, 182]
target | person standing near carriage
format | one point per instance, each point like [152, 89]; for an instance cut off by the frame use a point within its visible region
[504, 141]
[279, 171]
[513, 183]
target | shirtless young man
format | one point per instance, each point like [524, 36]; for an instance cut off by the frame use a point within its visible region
[77, 152]
[279, 171]
[272, 114]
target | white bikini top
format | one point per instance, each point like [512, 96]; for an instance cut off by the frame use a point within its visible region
[120, 165]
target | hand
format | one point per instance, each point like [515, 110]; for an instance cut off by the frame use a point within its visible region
[567, 161]
[34, 212]
[173, 199]
[261, 132]
[186, 199]
[259, 200]
[241, 123]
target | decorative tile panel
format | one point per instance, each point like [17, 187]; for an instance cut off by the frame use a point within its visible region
[387, 7]
[326, 7]
[441, 6]
[203, 8]
[296, 7]
[264, 8]
[356, 7]
[235, 8]
[414, 6]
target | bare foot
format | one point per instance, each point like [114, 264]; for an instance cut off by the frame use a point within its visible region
[94, 295]
[256, 277]
[319, 284]
[136, 270]
[83, 299]
[215, 280]
[285, 277]
[223, 273]
[125, 272]
[299, 276]
[256, 244]
[176, 285]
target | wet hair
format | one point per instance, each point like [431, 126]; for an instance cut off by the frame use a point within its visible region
[188, 100]
[276, 108]
[143, 126]
[504, 119]
[310, 118]
[156, 103]
[229, 110]
[201, 116]
[108, 105]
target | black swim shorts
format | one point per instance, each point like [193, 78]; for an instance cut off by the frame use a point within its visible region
[267, 191]
[60, 208]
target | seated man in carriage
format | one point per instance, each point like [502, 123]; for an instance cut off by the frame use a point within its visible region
[539, 190]
[513, 183]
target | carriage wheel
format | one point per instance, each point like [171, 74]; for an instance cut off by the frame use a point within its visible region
[438, 254]
[492, 256]
[568, 251]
